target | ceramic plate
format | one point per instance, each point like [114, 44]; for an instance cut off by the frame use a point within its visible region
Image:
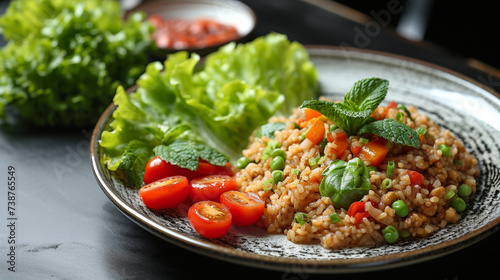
[469, 110]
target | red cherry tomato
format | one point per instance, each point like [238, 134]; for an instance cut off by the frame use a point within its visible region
[246, 207]
[211, 187]
[157, 169]
[165, 193]
[209, 218]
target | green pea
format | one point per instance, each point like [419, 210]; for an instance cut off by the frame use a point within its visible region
[278, 153]
[391, 234]
[445, 149]
[242, 162]
[278, 163]
[400, 207]
[458, 204]
[464, 190]
[277, 176]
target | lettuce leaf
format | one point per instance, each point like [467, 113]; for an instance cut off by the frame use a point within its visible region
[218, 105]
[65, 59]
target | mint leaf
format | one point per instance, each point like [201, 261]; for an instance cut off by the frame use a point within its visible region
[134, 161]
[268, 129]
[393, 130]
[186, 154]
[342, 114]
[367, 94]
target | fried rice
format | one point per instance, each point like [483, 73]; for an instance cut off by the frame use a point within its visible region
[428, 205]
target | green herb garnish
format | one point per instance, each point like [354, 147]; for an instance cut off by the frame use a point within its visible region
[345, 182]
[353, 114]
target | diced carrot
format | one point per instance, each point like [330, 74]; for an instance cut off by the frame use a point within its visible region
[341, 143]
[355, 150]
[422, 138]
[374, 152]
[356, 207]
[311, 114]
[317, 132]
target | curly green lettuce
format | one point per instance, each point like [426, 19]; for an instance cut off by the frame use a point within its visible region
[65, 59]
[218, 106]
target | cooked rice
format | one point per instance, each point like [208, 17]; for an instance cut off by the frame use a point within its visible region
[428, 209]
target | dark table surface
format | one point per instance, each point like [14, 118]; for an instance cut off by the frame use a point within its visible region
[66, 228]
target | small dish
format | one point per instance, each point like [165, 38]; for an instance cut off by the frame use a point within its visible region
[227, 12]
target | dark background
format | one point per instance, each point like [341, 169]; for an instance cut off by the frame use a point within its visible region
[465, 28]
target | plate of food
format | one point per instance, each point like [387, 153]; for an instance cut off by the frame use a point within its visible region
[354, 160]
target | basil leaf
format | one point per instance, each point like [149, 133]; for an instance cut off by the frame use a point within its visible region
[268, 129]
[393, 130]
[186, 154]
[367, 94]
[345, 183]
[335, 165]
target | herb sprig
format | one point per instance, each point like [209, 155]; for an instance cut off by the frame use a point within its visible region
[353, 114]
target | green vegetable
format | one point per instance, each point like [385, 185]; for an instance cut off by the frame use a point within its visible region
[65, 59]
[279, 153]
[404, 109]
[421, 130]
[400, 117]
[186, 154]
[449, 194]
[334, 218]
[363, 140]
[294, 172]
[270, 62]
[353, 114]
[458, 204]
[268, 129]
[386, 183]
[242, 162]
[390, 169]
[300, 218]
[445, 149]
[391, 234]
[277, 176]
[400, 207]
[464, 190]
[267, 185]
[395, 131]
[345, 182]
[219, 105]
[278, 163]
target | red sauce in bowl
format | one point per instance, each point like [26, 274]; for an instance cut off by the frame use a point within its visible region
[190, 34]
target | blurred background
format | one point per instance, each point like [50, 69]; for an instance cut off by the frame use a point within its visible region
[458, 27]
[468, 29]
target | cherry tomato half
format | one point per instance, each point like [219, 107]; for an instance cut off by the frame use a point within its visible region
[247, 207]
[209, 218]
[165, 193]
[211, 187]
[157, 169]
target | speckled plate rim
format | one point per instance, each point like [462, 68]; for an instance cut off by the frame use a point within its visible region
[209, 249]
